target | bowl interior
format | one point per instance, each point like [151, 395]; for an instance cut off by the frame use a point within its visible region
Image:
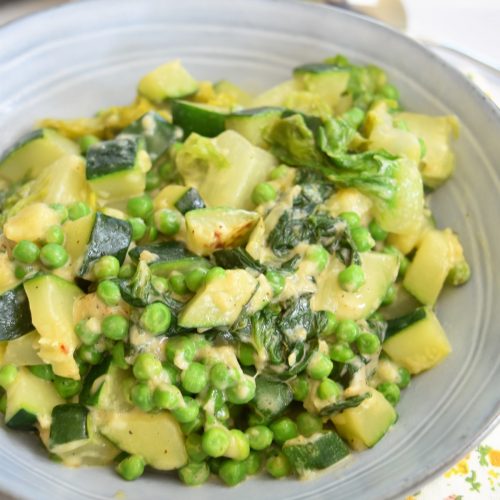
[76, 59]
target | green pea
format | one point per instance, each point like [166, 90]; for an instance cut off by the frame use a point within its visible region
[277, 281]
[109, 292]
[378, 234]
[232, 472]
[194, 378]
[194, 448]
[300, 388]
[167, 397]
[362, 239]
[152, 180]
[168, 222]
[284, 429]
[126, 271]
[118, 355]
[61, 210]
[319, 366]
[308, 424]
[347, 331]
[278, 172]
[140, 206]
[319, 255]
[55, 234]
[166, 170]
[215, 441]
[221, 376]
[188, 412]
[193, 426]
[67, 387]
[214, 274]
[341, 352]
[159, 284]
[351, 278]
[20, 271]
[278, 466]
[195, 279]
[106, 267]
[53, 256]
[253, 463]
[8, 374]
[239, 447]
[404, 378]
[86, 141]
[172, 372]
[390, 391]
[351, 218]
[246, 354]
[331, 324]
[115, 327]
[390, 295]
[26, 252]
[142, 396]
[459, 274]
[156, 318]
[263, 193]
[138, 228]
[328, 389]
[368, 343]
[194, 473]
[87, 331]
[131, 467]
[177, 283]
[146, 366]
[242, 392]
[152, 233]
[259, 437]
[90, 354]
[180, 347]
[44, 372]
[78, 210]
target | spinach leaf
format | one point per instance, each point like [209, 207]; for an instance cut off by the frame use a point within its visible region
[343, 405]
[237, 258]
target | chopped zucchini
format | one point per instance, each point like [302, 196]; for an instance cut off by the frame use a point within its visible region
[436, 132]
[168, 81]
[117, 169]
[169, 196]
[30, 400]
[271, 398]
[33, 152]
[109, 236]
[364, 425]
[190, 200]
[15, 314]
[202, 119]
[23, 350]
[427, 271]
[380, 271]
[158, 134]
[220, 301]
[168, 257]
[253, 123]
[275, 96]
[419, 346]
[317, 452]
[211, 229]
[225, 169]
[51, 300]
[69, 423]
[395, 325]
[31, 223]
[156, 437]
[327, 81]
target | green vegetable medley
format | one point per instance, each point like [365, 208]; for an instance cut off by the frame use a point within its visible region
[215, 283]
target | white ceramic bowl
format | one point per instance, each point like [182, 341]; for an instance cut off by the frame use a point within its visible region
[73, 60]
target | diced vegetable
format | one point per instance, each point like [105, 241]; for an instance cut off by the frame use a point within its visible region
[202, 119]
[69, 423]
[15, 314]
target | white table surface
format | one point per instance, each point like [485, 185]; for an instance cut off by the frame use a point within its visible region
[473, 26]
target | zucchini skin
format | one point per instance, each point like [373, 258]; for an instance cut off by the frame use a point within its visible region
[15, 314]
[194, 118]
[111, 156]
[109, 236]
[190, 200]
[395, 325]
[22, 421]
[28, 137]
[69, 423]
[167, 252]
